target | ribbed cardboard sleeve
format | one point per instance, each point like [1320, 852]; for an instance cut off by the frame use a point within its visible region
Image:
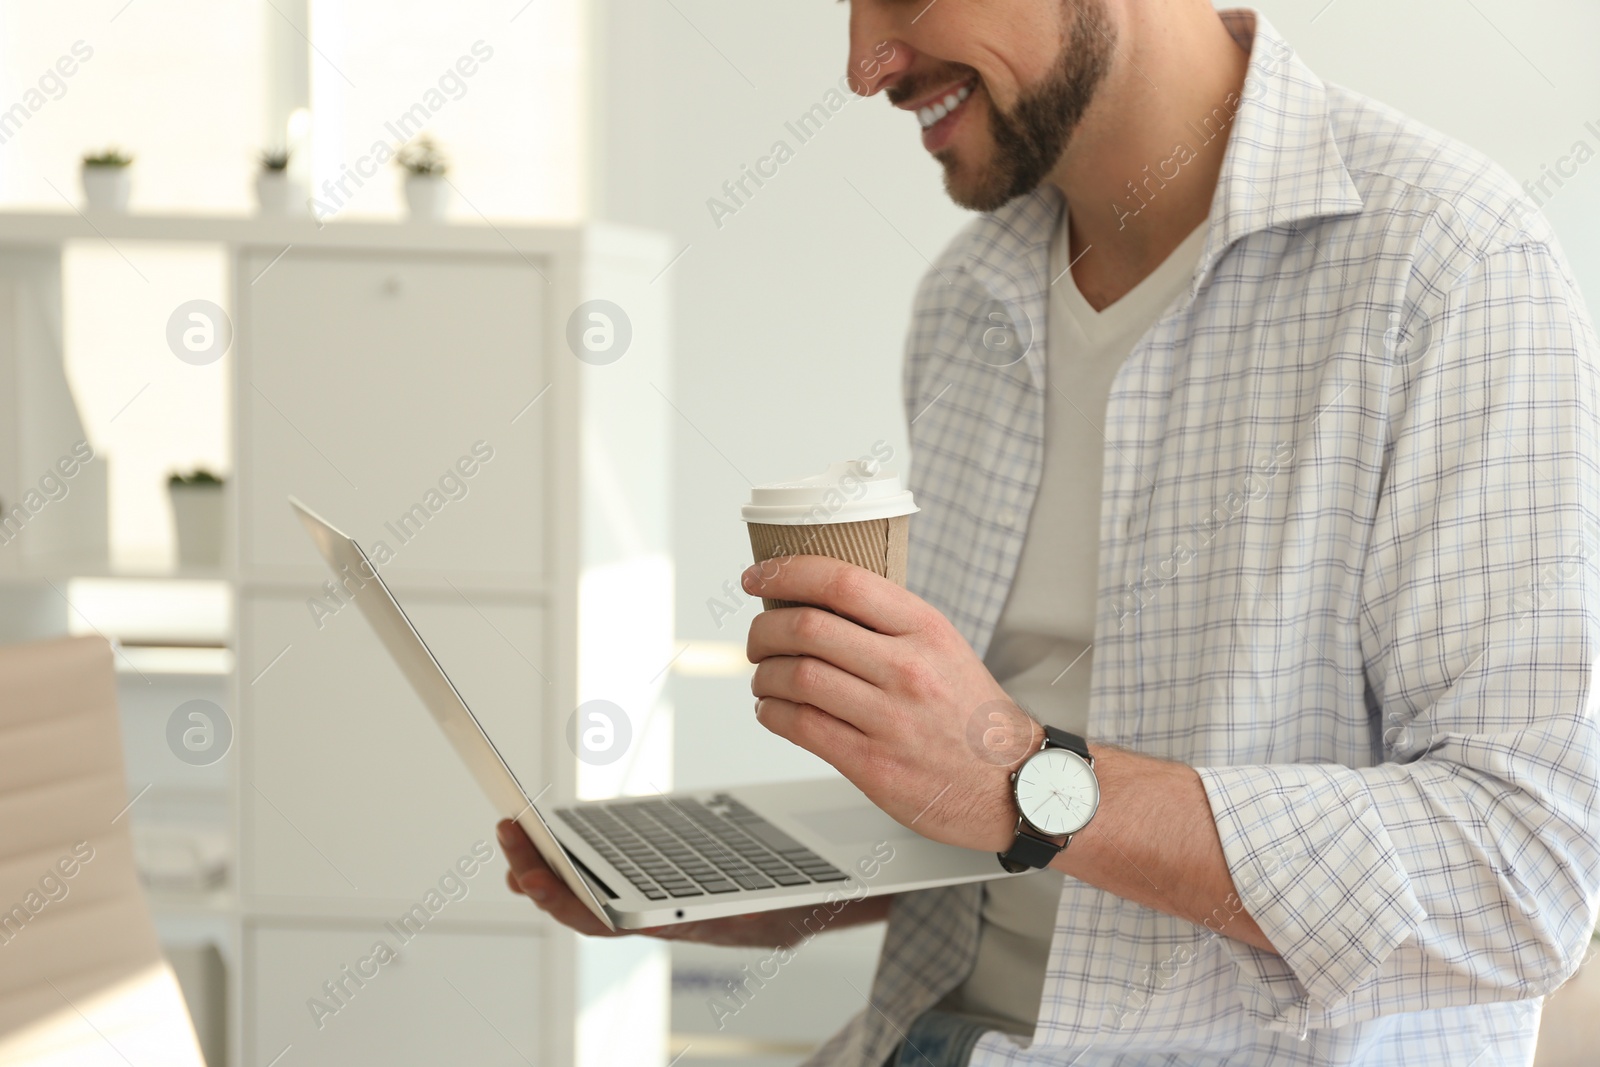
[879, 545]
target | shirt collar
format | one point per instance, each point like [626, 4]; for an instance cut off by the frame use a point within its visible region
[1282, 167]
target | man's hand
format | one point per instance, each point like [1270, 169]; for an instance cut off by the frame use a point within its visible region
[887, 691]
[533, 878]
[884, 688]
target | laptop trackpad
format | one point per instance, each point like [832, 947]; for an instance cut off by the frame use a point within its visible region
[851, 823]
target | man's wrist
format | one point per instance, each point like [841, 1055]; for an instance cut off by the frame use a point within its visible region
[1112, 766]
[1008, 821]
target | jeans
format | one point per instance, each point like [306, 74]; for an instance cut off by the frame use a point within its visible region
[939, 1039]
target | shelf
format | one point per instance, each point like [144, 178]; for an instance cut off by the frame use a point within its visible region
[187, 661]
[351, 321]
[515, 913]
[523, 237]
[299, 581]
[220, 901]
[152, 612]
[66, 571]
[711, 659]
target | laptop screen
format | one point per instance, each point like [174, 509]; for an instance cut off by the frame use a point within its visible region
[359, 575]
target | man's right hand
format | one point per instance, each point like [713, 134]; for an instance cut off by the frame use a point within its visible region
[533, 878]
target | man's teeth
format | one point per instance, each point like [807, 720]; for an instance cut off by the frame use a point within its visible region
[939, 109]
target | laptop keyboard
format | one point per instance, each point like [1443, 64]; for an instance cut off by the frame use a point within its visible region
[683, 847]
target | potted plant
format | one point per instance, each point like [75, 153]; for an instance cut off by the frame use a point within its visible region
[106, 180]
[197, 515]
[273, 191]
[427, 192]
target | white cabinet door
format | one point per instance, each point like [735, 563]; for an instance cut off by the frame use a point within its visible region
[391, 393]
[444, 997]
[348, 790]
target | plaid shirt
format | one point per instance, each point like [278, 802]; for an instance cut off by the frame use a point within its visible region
[1347, 571]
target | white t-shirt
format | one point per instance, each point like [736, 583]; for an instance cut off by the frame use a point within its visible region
[1041, 651]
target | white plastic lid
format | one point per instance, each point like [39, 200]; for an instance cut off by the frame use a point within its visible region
[851, 491]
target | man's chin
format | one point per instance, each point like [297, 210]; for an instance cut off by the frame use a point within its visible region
[974, 188]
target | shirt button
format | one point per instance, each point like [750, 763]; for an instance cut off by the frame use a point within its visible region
[1006, 517]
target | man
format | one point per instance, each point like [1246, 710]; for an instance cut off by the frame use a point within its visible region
[1281, 411]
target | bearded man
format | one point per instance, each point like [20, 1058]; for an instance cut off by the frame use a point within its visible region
[1254, 427]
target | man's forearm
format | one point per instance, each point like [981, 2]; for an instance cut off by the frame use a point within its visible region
[1153, 841]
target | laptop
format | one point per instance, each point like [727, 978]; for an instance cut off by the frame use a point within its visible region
[680, 857]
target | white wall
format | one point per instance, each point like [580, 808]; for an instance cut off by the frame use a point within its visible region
[1516, 79]
[790, 316]
[493, 83]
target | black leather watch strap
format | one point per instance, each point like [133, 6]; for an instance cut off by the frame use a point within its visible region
[1069, 741]
[1029, 851]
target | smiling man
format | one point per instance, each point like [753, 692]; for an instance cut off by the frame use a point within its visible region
[1254, 429]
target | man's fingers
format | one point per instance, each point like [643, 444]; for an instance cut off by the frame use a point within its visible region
[529, 875]
[519, 851]
[822, 635]
[854, 592]
[814, 730]
[569, 911]
[802, 680]
[533, 878]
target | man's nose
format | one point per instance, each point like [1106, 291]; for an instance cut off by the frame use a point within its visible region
[877, 54]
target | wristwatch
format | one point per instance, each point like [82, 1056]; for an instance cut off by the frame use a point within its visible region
[1056, 793]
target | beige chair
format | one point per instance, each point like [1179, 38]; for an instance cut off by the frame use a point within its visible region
[82, 977]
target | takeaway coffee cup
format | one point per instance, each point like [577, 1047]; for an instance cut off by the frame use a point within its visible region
[852, 511]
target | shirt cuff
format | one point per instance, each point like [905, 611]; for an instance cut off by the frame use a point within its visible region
[1313, 865]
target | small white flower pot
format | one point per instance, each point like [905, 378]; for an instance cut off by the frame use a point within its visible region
[427, 196]
[106, 188]
[197, 512]
[276, 195]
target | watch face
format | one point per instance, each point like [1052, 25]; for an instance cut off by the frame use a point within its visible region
[1057, 791]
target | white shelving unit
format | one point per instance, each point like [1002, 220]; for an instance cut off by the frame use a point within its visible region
[415, 384]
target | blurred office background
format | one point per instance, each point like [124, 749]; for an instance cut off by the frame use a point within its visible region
[768, 344]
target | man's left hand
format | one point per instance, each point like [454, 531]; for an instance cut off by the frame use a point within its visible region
[884, 688]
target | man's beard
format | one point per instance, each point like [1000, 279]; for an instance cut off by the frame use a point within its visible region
[1031, 137]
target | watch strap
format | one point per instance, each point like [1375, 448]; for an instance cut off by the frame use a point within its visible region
[1069, 741]
[1028, 852]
